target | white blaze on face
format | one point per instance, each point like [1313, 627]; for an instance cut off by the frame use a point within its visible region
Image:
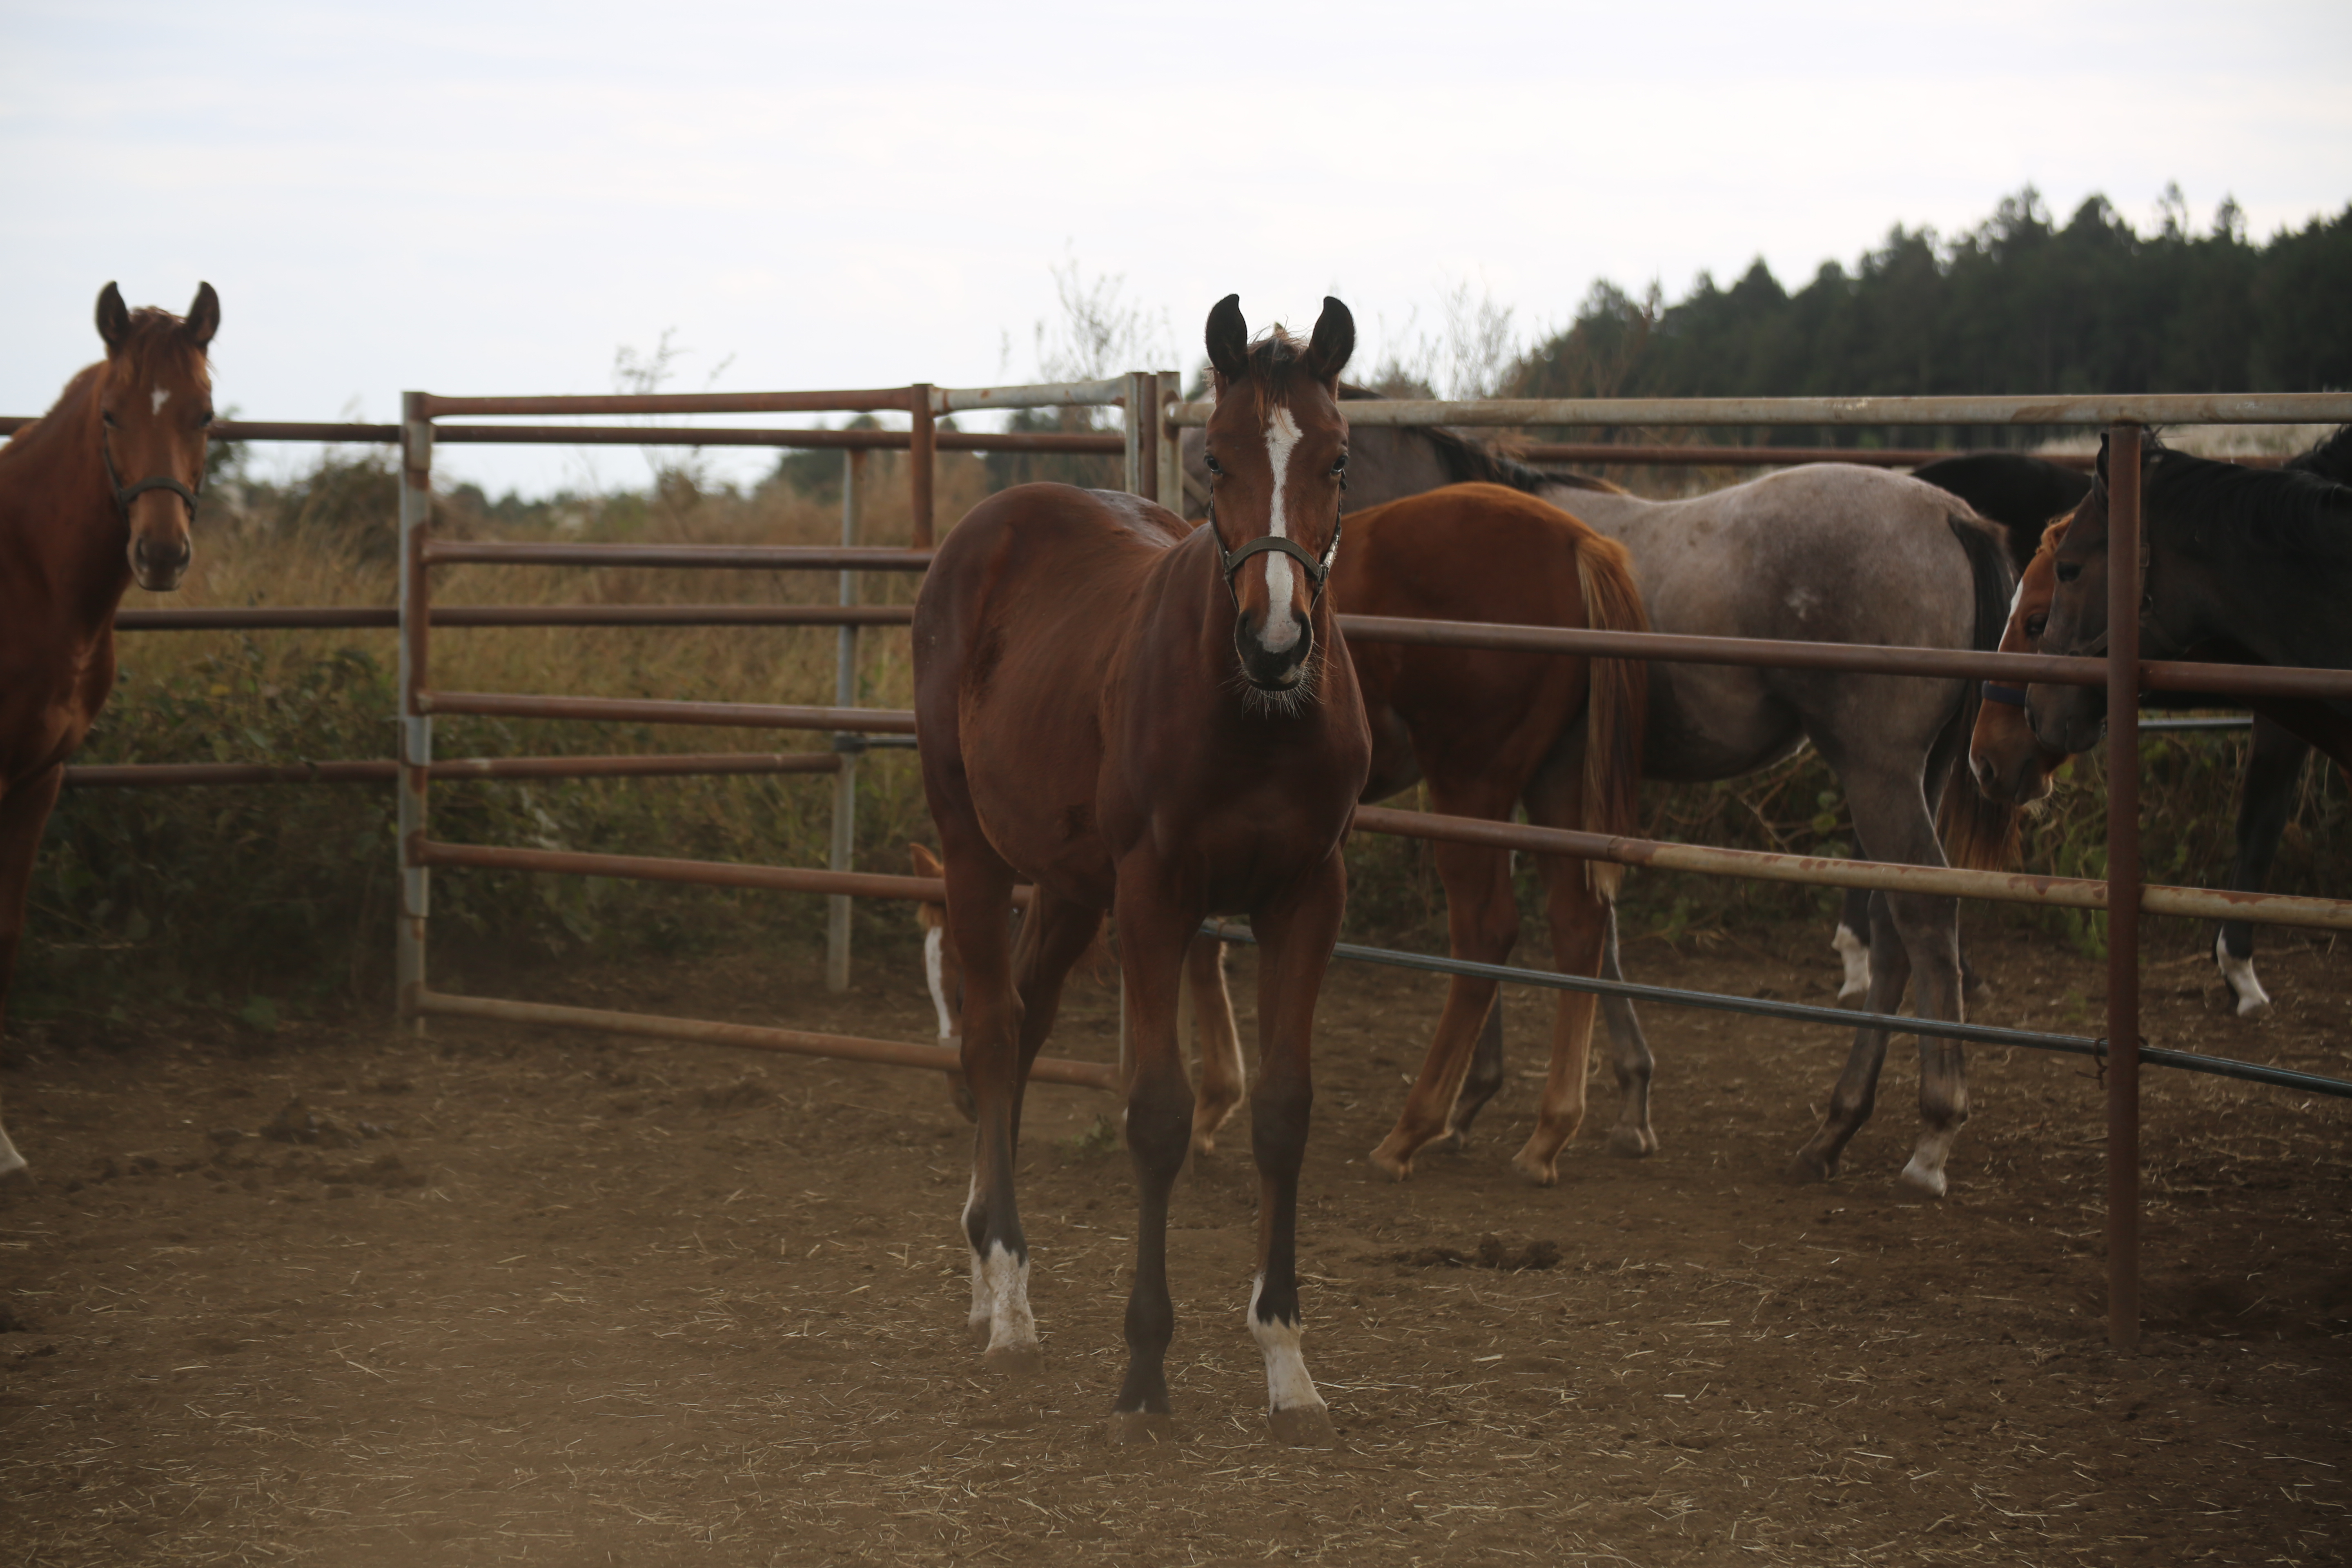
[1288, 1386]
[157, 398]
[1280, 630]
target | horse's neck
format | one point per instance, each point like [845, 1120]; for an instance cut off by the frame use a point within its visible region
[59, 528]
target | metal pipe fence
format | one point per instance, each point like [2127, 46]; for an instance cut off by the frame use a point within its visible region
[1154, 418]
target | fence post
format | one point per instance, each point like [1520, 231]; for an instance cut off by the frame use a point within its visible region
[1170, 387]
[1136, 425]
[2123, 884]
[921, 443]
[415, 738]
[846, 746]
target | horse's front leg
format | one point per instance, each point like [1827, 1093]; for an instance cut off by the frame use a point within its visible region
[1295, 936]
[1152, 938]
[23, 811]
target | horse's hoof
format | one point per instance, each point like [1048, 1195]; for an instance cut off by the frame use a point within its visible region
[1014, 1360]
[977, 1331]
[1633, 1142]
[1809, 1169]
[1303, 1427]
[1138, 1426]
[1922, 1180]
[1393, 1157]
[1542, 1170]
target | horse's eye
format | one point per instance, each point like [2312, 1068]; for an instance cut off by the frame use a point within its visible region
[203, 419]
[1216, 466]
[2069, 570]
[1339, 464]
[2033, 625]
[107, 419]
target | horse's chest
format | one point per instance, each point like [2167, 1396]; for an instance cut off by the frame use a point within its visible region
[46, 707]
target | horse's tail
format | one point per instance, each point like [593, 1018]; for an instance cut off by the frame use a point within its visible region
[1617, 700]
[1980, 835]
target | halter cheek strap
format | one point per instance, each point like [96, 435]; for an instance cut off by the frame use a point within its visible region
[1996, 692]
[1317, 568]
[125, 494]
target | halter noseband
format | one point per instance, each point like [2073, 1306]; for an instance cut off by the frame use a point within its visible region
[1317, 568]
[125, 494]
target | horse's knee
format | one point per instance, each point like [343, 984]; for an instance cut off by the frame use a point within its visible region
[1159, 1121]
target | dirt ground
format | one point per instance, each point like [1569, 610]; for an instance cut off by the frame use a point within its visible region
[508, 1295]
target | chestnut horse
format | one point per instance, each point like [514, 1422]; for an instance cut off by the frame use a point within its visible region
[1157, 722]
[1489, 731]
[73, 536]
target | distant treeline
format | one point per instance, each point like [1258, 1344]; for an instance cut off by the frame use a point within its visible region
[2019, 305]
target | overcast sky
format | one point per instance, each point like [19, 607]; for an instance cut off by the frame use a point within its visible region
[486, 197]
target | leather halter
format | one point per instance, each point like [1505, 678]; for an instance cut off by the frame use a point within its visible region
[1317, 568]
[2000, 691]
[125, 494]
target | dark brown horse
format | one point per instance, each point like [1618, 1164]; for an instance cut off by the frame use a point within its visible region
[2011, 766]
[96, 494]
[1160, 723]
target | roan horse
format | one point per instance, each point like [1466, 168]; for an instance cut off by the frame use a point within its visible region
[1162, 724]
[1825, 553]
[73, 536]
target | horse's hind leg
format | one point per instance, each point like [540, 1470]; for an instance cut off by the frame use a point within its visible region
[1224, 1080]
[1482, 918]
[2273, 767]
[1482, 1083]
[980, 893]
[1857, 1087]
[23, 811]
[1853, 943]
[1632, 1137]
[1584, 941]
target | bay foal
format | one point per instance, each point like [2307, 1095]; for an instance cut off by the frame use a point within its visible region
[75, 532]
[1158, 723]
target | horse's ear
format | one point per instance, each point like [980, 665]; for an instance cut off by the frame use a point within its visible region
[1334, 341]
[203, 316]
[1228, 341]
[113, 318]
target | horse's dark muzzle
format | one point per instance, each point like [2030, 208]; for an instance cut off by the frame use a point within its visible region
[159, 567]
[1271, 670]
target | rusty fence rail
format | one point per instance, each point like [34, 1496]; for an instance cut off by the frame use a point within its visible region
[1155, 416]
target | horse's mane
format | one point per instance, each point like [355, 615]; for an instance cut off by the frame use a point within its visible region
[2290, 509]
[1470, 461]
[2330, 457]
